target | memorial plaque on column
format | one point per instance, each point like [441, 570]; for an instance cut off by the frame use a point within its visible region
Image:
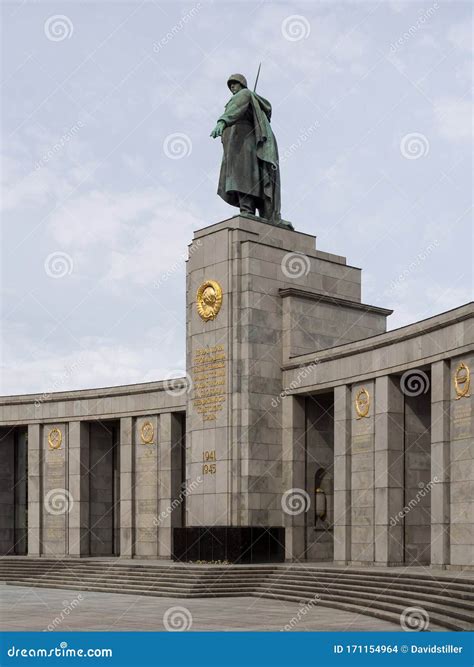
[57, 500]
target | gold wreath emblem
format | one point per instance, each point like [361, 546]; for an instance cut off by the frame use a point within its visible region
[209, 300]
[147, 433]
[55, 438]
[362, 403]
[462, 381]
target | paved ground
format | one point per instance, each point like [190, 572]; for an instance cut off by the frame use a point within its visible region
[23, 608]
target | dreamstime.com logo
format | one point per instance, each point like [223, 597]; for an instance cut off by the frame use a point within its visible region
[424, 490]
[176, 29]
[68, 607]
[58, 501]
[177, 145]
[58, 264]
[61, 651]
[302, 611]
[295, 265]
[414, 382]
[177, 501]
[58, 28]
[414, 619]
[295, 501]
[414, 146]
[178, 383]
[301, 375]
[177, 619]
[295, 28]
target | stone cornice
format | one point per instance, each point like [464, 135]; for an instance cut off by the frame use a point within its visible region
[313, 295]
[420, 328]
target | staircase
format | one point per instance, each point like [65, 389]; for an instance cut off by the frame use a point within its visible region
[448, 600]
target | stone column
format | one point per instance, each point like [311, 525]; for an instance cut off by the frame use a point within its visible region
[56, 499]
[34, 489]
[342, 475]
[461, 469]
[362, 475]
[293, 469]
[389, 463]
[170, 494]
[126, 488]
[7, 492]
[440, 461]
[146, 486]
[79, 488]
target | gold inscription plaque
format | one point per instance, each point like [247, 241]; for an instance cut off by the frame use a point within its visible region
[55, 438]
[209, 468]
[362, 403]
[147, 433]
[462, 381]
[209, 380]
[209, 300]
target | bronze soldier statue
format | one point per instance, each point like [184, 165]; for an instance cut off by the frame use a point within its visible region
[250, 171]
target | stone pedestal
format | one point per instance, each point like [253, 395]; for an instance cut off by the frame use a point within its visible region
[278, 296]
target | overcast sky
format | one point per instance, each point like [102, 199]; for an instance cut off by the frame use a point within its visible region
[107, 164]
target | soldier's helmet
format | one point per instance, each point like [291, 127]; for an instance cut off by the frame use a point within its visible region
[240, 78]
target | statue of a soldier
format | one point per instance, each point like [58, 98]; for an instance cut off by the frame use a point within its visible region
[250, 171]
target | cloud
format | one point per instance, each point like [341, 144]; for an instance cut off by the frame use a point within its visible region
[92, 362]
[460, 35]
[139, 233]
[454, 117]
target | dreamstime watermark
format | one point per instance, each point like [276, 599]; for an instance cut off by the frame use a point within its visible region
[58, 264]
[58, 27]
[424, 491]
[295, 28]
[59, 145]
[177, 619]
[61, 651]
[303, 137]
[65, 612]
[176, 29]
[301, 375]
[295, 501]
[178, 501]
[68, 373]
[414, 619]
[414, 145]
[58, 501]
[425, 16]
[415, 264]
[302, 611]
[178, 383]
[295, 265]
[177, 264]
[177, 145]
[414, 382]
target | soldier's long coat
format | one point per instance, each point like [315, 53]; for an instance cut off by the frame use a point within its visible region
[250, 161]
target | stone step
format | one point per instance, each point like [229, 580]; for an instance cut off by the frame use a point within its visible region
[296, 573]
[180, 589]
[384, 614]
[455, 599]
[238, 580]
[384, 610]
[460, 584]
[397, 585]
[464, 613]
[135, 590]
